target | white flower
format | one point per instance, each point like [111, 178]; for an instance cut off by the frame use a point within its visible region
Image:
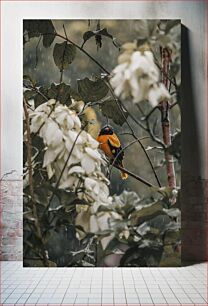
[76, 169]
[71, 155]
[51, 133]
[158, 93]
[120, 80]
[138, 78]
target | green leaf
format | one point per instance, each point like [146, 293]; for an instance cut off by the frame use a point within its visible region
[29, 94]
[63, 55]
[32, 27]
[39, 98]
[111, 110]
[104, 208]
[146, 213]
[42, 194]
[170, 261]
[87, 35]
[112, 244]
[170, 257]
[28, 82]
[55, 202]
[172, 236]
[35, 28]
[38, 263]
[92, 91]
[47, 27]
[48, 39]
[142, 257]
[166, 191]
[61, 93]
[102, 32]
[67, 198]
[126, 201]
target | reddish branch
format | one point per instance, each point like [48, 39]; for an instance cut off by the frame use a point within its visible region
[165, 110]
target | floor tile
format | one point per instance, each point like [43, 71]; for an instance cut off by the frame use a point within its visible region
[100, 286]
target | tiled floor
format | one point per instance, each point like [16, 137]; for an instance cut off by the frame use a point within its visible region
[103, 286]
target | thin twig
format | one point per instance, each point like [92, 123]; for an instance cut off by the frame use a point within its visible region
[62, 64]
[122, 150]
[133, 134]
[64, 167]
[149, 130]
[85, 52]
[65, 31]
[137, 177]
[36, 90]
[150, 113]
[174, 104]
[138, 122]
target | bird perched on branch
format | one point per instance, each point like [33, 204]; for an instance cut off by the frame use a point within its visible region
[111, 146]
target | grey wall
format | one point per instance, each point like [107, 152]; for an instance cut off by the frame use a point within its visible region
[194, 109]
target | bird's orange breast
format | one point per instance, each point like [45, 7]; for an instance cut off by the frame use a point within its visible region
[103, 140]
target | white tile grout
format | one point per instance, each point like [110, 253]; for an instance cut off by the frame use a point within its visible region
[103, 286]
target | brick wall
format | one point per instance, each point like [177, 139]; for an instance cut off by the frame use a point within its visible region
[11, 227]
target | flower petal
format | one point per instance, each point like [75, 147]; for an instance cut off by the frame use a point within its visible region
[93, 153]
[76, 169]
[88, 164]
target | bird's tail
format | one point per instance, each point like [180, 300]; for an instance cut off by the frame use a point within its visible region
[124, 175]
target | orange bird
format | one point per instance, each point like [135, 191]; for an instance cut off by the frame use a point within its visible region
[111, 146]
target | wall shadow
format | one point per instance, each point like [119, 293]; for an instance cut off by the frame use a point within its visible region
[193, 233]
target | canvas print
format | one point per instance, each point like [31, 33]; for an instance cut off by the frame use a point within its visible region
[101, 143]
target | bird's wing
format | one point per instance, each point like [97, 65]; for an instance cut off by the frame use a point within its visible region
[115, 147]
[114, 141]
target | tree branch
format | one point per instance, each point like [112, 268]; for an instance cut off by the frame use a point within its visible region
[137, 177]
[29, 160]
[122, 150]
[165, 109]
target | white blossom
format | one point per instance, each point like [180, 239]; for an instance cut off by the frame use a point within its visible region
[73, 150]
[157, 93]
[69, 148]
[138, 78]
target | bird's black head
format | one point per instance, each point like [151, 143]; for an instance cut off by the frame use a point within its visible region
[106, 130]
